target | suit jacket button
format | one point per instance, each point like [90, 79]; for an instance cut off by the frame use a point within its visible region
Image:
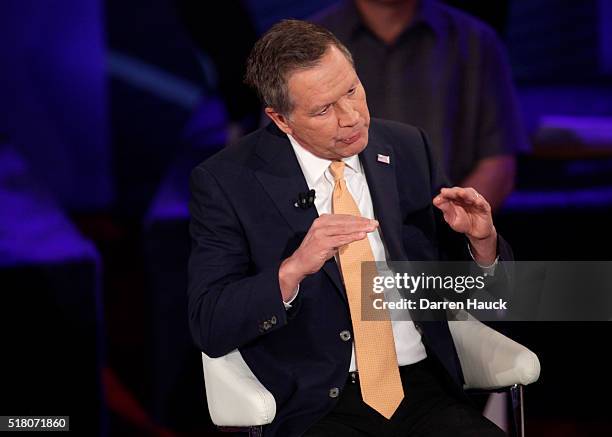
[334, 392]
[345, 335]
[418, 328]
[266, 325]
[273, 320]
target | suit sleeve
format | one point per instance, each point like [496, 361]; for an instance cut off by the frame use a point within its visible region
[229, 304]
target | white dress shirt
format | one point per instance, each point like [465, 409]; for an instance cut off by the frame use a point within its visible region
[408, 344]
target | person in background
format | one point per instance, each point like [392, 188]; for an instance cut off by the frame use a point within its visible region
[432, 66]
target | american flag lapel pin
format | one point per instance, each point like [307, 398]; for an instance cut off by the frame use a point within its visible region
[384, 159]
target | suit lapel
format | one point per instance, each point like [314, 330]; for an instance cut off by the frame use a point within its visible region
[382, 183]
[282, 178]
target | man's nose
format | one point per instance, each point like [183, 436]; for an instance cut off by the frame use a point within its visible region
[347, 114]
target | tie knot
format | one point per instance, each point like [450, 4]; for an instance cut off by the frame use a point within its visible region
[337, 170]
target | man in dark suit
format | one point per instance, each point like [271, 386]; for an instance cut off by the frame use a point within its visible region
[275, 277]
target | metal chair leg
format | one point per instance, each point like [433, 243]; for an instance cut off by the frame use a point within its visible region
[518, 415]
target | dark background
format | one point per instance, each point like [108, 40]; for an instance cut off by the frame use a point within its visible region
[105, 106]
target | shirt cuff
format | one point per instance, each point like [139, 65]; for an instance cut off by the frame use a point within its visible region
[295, 293]
[487, 270]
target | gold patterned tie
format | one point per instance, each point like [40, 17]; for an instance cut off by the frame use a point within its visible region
[381, 386]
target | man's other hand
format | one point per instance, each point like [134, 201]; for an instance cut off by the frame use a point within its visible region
[469, 213]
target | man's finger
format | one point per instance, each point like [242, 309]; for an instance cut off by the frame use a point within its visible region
[342, 240]
[441, 202]
[443, 205]
[350, 228]
[345, 218]
[457, 193]
[465, 197]
[471, 197]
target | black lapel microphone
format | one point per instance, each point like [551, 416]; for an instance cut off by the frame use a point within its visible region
[305, 200]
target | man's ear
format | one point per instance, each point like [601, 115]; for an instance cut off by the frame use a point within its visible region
[280, 120]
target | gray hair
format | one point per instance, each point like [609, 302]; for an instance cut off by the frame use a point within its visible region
[288, 46]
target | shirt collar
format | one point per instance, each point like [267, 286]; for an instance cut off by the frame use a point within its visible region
[314, 167]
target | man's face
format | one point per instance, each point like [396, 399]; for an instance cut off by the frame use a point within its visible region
[330, 116]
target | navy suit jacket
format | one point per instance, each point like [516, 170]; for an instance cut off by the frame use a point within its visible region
[244, 223]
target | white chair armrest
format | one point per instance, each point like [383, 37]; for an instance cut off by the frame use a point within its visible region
[489, 359]
[234, 394]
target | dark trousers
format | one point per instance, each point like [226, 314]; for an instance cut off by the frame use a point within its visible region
[431, 407]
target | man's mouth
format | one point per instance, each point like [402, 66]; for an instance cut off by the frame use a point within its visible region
[351, 139]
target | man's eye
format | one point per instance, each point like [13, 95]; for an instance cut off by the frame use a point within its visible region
[352, 91]
[323, 111]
